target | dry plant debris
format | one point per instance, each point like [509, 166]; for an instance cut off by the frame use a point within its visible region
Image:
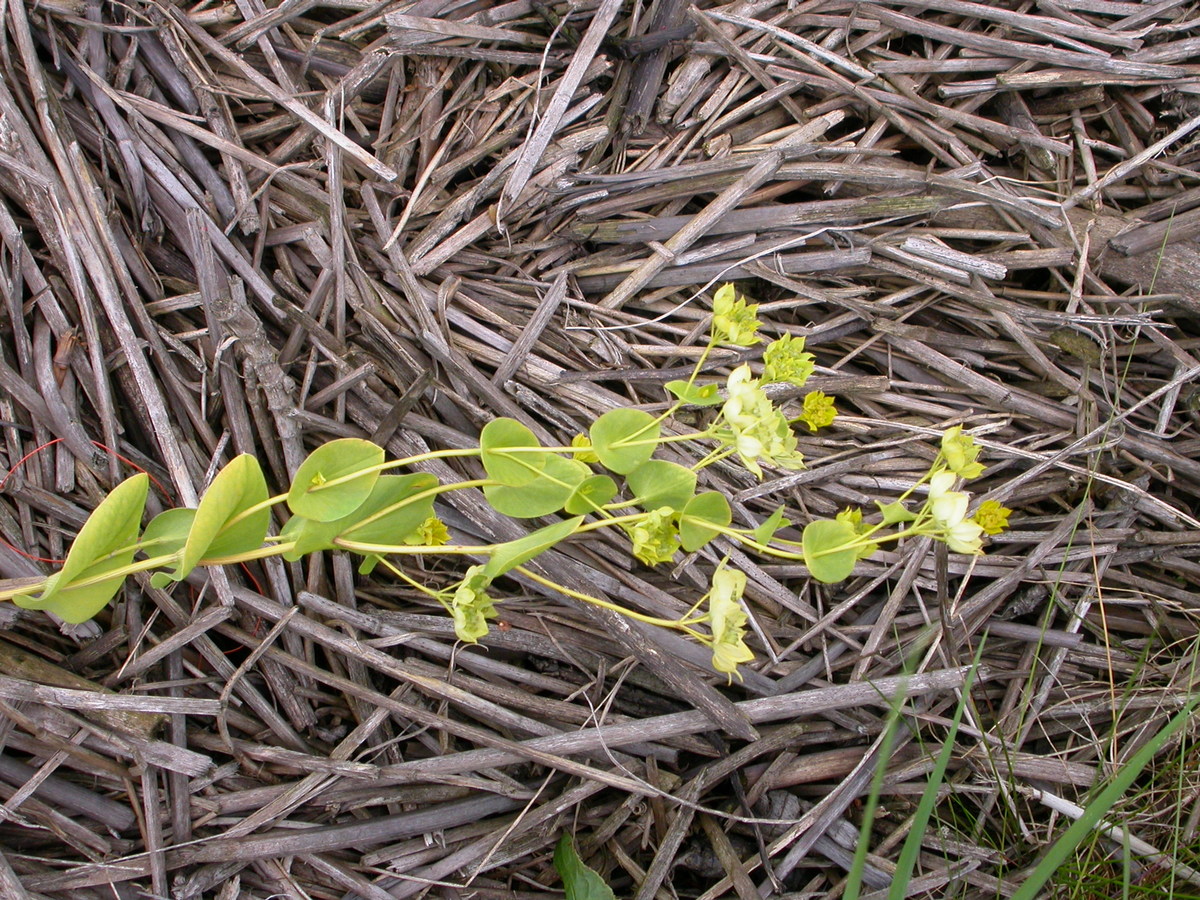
[252, 227]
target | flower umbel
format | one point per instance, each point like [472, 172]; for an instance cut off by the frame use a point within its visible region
[471, 607]
[655, 536]
[992, 517]
[948, 509]
[960, 452]
[760, 431]
[853, 517]
[430, 533]
[585, 454]
[784, 361]
[727, 620]
[734, 320]
[819, 410]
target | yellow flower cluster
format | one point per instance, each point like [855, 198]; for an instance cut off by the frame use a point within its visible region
[961, 453]
[819, 410]
[655, 536]
[786, 362]
[992, 517]
[430, 533]
[734, 319]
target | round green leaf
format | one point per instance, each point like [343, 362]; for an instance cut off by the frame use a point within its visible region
[391, 513]
[548, 494]
[505, 448]
[387, 516]
[580, 882]
[614, 435]
[351, 464]
[590, 495]
[826, 549]
[659, 483]
[167, 532]
[697, 521]
[107, 542]
[309, 536]
[218, 527]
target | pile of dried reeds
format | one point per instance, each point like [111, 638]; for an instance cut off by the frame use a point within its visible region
[249, 226]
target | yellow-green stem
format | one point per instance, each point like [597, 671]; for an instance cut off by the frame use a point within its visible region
[677, 624]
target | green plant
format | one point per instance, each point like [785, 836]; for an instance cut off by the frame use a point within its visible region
[344, 497]
[580, 881]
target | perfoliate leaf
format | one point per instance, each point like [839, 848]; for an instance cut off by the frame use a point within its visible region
[695, 394]
[826, 548]
[393, 512]
[894, 512]
[764, 532]
[506, 447]
[513, 553]
[591, 494]
[659, 483]
[580, 882]
[352, 459]
[624, 439]
[216, 528]
[387, 516]
[697, 521]
[309, 536]
[106, 543]
[166, 534]
[547, 494]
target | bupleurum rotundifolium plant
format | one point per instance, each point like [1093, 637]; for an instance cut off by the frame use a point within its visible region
[346, 496]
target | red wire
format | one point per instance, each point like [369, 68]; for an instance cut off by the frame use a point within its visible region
[158, 484]
[34, 452]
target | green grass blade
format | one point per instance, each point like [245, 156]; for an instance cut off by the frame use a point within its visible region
[916, 832]
[859, 864]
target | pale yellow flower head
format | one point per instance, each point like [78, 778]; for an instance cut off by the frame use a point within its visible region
[734, 319]
[471, 607]
[760, 431]
[960, 452]
[727, 620]
[948, 509]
